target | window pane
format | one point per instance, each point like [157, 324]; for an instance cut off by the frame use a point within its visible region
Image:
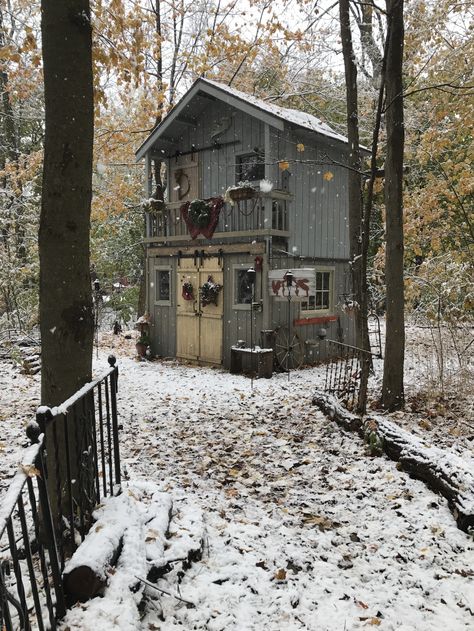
[250, 167]
[243, 288]
[163, 285]
[325, 276]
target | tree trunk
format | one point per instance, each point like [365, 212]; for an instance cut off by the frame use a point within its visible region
[357, 256]
[66, 314]
[66, 317]
[392, 388]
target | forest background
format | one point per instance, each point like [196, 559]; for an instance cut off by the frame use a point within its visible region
[147, 53]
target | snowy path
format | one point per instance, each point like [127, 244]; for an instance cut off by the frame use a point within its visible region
[305, 531]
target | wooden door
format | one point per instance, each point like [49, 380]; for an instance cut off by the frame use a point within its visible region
[187, 312]
[184, 178]
[198, 326]
[211, 315]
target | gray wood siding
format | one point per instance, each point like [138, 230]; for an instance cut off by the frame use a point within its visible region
[237, 321]
[218, 165]
[163, 324]
[341, 330]
[318, 215]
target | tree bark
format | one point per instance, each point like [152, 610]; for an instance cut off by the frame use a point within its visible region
[392, 387]
[357, 256]
[66, 316]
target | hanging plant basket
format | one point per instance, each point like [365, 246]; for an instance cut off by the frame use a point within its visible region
[241, 193]
[210, 292]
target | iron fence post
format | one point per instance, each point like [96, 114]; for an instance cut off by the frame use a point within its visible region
[113, 400]
[42, 417]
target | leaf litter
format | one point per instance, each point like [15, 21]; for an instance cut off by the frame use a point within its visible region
[303, 529]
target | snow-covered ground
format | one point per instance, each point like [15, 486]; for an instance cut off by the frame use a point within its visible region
[304, 530]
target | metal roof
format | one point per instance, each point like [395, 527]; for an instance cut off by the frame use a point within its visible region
[270, 113]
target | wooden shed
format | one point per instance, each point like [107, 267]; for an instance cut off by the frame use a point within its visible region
[249, 185]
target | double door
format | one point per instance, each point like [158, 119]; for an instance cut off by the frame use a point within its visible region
[198, 325]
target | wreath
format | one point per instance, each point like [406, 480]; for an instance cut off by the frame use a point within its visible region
[199, 213]
[210, 292]
[187, 290]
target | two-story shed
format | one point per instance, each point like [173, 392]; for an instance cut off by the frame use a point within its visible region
[291, 213]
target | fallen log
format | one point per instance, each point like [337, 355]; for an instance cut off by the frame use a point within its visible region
[114, 540]
[443, 472]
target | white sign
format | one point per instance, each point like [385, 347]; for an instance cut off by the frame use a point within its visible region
[303, 284]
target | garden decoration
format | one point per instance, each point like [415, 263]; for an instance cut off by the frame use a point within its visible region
[239, 194]
[153, 205]
[241, 191]
[187, 290]
[201, 216]
[143, 342]
[210, 292]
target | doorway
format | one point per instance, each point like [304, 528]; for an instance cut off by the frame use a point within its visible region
[198, 325]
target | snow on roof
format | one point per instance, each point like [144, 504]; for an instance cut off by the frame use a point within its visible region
[297, 117]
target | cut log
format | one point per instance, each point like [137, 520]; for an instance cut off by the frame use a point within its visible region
[86, 574]
[441, 470]
[137, 518]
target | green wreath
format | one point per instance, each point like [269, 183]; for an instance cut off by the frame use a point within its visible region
[199, 213]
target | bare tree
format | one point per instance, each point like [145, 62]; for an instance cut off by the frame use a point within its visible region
[392, 387]
[358, 257]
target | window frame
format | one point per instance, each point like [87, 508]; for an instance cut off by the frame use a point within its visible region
[311, 313]
[238, 167]
[241, 306]
[156, 270]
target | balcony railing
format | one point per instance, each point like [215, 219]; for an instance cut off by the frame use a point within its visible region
[266, 213]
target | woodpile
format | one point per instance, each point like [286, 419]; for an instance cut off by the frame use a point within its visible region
[138, 536]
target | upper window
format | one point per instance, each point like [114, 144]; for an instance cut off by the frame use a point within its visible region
[163, 286]
[250, 167]
[323, 298]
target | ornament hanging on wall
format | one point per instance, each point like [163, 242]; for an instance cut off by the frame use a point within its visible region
[187, 290]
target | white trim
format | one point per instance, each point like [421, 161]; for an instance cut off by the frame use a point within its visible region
[240, 306]
[162, 268]
[322, 312]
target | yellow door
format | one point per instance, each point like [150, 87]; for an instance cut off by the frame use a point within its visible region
[211, 315]
[199, 325]
[187, 312]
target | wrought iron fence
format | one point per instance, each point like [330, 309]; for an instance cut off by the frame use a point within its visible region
[343, 371]
[45, 514]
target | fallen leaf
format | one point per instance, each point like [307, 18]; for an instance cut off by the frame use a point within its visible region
[328, 176]
[280, 575]
[30, 470]
[324, 523]
[361, 604]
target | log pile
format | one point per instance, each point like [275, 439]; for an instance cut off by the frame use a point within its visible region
[442, 471]
[137, 534]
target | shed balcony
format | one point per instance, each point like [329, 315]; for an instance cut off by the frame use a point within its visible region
[266, 215]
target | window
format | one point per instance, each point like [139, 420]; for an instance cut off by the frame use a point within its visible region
[322, 300]
[250, 167]
[163, 286]
[242, 287]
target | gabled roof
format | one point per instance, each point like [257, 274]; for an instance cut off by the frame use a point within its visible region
[274, 115]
